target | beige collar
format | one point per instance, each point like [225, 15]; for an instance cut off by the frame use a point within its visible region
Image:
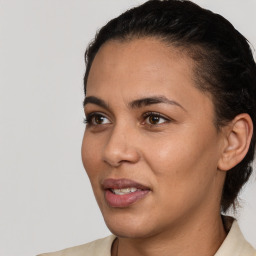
[235, 244]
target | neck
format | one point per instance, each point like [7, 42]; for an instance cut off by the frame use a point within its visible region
[203, 237]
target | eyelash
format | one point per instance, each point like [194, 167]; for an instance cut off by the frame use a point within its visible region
[88, 120]
[155, 114]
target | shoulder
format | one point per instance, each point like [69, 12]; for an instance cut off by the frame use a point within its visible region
[96, 248]
[235, 244]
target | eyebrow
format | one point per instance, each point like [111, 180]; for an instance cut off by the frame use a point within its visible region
[153, 100]
[135, 103]
[96, 101]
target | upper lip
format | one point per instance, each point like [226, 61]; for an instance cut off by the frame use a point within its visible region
[122, 183]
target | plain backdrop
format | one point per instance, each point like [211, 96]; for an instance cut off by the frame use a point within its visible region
[46, 202]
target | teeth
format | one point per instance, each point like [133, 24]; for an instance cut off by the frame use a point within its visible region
[124, 191]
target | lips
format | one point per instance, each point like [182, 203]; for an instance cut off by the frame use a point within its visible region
[121, 193]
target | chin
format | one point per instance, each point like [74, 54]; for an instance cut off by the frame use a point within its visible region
[125, 223]
[128, 230]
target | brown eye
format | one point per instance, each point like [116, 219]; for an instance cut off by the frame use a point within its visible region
[155, 119]
[96, 119]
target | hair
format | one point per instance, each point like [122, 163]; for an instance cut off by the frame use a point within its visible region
[224, 64]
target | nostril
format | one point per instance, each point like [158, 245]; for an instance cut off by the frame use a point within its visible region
[112, 163]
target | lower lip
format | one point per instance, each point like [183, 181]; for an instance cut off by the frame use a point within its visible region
[122, 201]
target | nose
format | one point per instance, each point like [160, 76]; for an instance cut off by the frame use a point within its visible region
[120, 147]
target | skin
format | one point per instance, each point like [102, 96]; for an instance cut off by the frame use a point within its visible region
[178, 157]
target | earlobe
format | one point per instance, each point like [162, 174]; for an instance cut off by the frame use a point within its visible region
[238, 134]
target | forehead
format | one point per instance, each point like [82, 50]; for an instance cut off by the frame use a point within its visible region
[141, 67]
[146, 59]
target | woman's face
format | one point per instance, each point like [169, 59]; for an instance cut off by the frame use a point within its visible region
[150, 149]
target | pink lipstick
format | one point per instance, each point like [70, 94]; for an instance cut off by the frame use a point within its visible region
[121, 193]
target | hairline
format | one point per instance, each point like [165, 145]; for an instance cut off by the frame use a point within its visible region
[187, 49]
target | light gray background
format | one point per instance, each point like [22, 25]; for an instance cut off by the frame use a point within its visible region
[46, 201]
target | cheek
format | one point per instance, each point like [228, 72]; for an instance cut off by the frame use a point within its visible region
[90, 154]
[91, 160]
[184, 166]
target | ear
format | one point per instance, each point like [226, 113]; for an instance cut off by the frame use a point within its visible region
[238, 134]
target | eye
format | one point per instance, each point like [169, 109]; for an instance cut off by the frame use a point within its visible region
[96, 119]
[153, 118]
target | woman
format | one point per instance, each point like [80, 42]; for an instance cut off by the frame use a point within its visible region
[170, 112]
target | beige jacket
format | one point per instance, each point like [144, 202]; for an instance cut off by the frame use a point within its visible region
[233, 245]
